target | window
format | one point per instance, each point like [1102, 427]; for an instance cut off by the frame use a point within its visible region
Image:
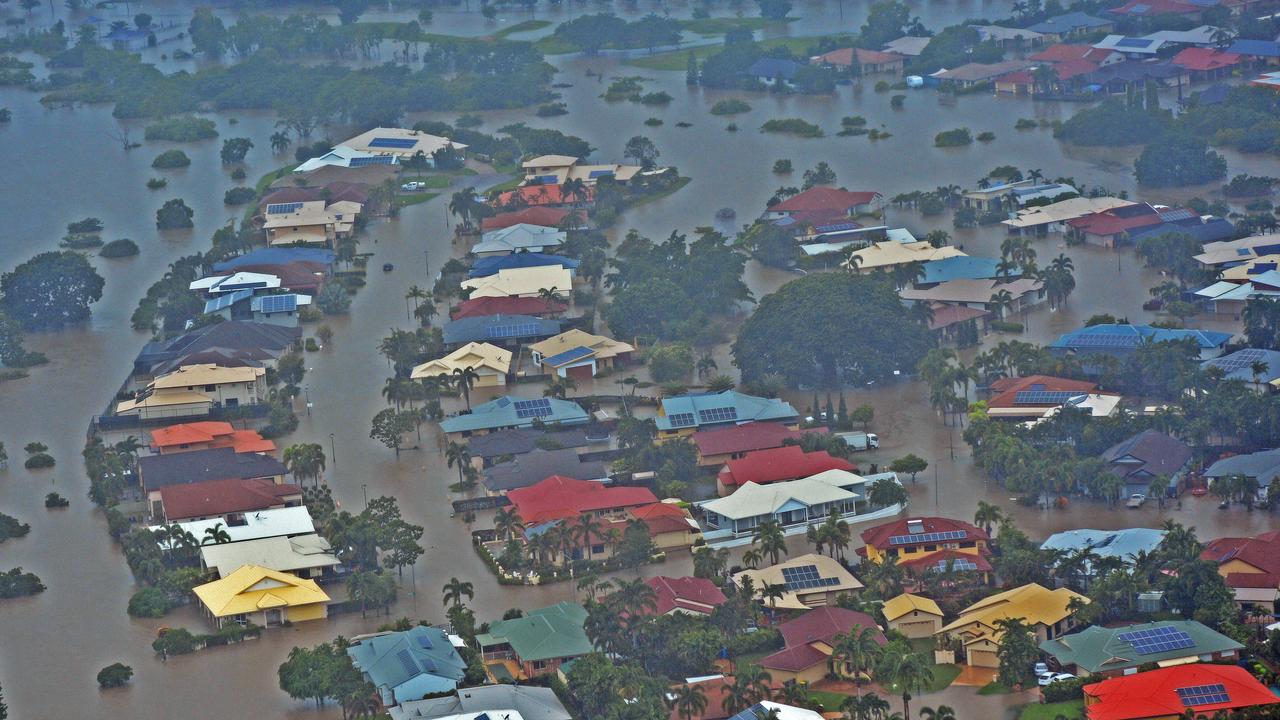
[210, 388]
[596, 549]
[539, 665]
[930, 548]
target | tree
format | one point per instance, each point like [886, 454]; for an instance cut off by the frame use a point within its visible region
[457, 455]
[942, 712]
[670, 363]
[689, 701]
[987, 516]
[234, 150]
[371, 588]
[774, 9]
[877, 337]
[114, 675]
[886, 20]
[642, 150]
[389, 427]
[636, 546]
[909, 670]
[1016, 650]
[465, 379]
[887, 491]
[911, 464]
[51, 290]
[821, 174]
[174, 215]
[1176, 159]
[771, 539]
[305, 461]
[455, 590]
[208, 34]
[216, 535]
[280, 141]
[507, 523]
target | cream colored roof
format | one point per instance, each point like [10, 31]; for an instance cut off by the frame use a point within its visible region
[604, 347]
[164, 399]
[1063, 210]
[518, 282]
[252, 588]
[967, 290]
[1240, 273]
[284, 554]
[1033, 603]
[891, 252]
[543, 161]
[315, 212]
[827, 568]
[206, 374]
[1231, 251]
[896, 607]
[472, 355]
[425, 143]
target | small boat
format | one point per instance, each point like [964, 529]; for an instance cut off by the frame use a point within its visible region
[725, 214]
[388, 267]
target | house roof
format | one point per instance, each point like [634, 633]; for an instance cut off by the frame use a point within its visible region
[1206, 231]
[1239, 365]
[530, 468]
[1032, 602]
[827, 568]
[538, 195]
[745, 438]
[206, 374]
[773, 68]
[1232, 252]
[277, 256]
[1062, 211]
[1066, 52]
[238, 338]
[602, 348]
[897, 606]
[333, 192]
[912, 531]
[1002, 33]
[1026, 391]
[391, 659]
[1098, 649]
[891, 252]
[960, 267]
[1125, 543]
[1155, 693]
[948, 559]
[273, 522]
[977, 72]
[947, 315]
[844, 57]
[558, 496]
[780, 463]
[1255, 48]
[1117, 219]
[544, 216]
[824, 624]
[824, 198]
[755, 500]
[1203, 59]
[1069, 22]
[521, 281]
[690, 594]
[399, 141]
[224, 497]
[510, 411]
[219, 434]
[252, 588]
[286, 554]
[157, 471]
[543, 161]
[1115, 336]
[1263, 466]
[542, 634]
[697, 410]
[1149, 8]
[910, 45]
[521, 236]
[532, 702]
[1148, 453]
[486, 266]
[664, 517]
[1269, 581]
[500, 327]
[478, 356]
[1132, 71]
[1261, 552]
[519, 441]
[970, 291]
[482, 307]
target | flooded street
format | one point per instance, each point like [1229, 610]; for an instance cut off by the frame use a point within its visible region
[72, 166]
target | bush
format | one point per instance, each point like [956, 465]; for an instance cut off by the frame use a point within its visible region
[793, 126]
[311, 345]
[157, 183]
[1025, 124]
[80, 242]
[731, 127]
[239, 196]
[149, 602]
[114, 675]
[171, 159]
[782, 167]
[732, 106]
[653, 122]
[11, 527]
[1065, 690]
[16, 583]
[760, 641]
[953, 138]
[54, 500]
[987, 136]
[883, 86]
[552, 110]
[178, 641]
[181, 129]
[897, 101]
[1005, 326]
[174, 214]
[124, 247]
[39, 461]
[655, 98]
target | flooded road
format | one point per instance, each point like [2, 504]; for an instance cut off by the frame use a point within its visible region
[52, 645]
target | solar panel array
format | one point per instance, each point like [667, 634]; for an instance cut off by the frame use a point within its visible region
[836, 227]
[510, 331]
[927, 537]
[1178, 214]
[569, 356]
[1134, 42]
[1042, 397]
[282, 208]
[533, 408]
[1240, 360]
[804, 577]
[406, 660]
[599, 174]
[957, 565]
[720, 414]
[279, 303]
[1203, 695]
[379, 160]
[425, 642]
[755, 712]
[681, 420]
[1104, 340]
[397, 143]
[1157, 640]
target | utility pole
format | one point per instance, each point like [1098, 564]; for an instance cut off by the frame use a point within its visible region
[332, 454]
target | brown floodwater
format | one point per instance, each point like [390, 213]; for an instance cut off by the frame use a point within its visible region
[52, 645]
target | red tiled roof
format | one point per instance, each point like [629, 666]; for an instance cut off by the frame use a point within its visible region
[1202, 59]
[823, 624]
[745, 438]
[337, 190]
[221, 497]
[1262, 552]
[794, 659]
[542, 216]
[661, 518]
[1154, 693]
[1253, 580]
[844, 57]
[216, 434]
[948, 315]
[783, 463]
[245, 441]
[1061, 52]
[932, 560]
[824, 198]
[560, 497]
[1108, 222]
[1068, 69]
[1018, 77]
[1005, 390]
[686, 593]
[715, 689]
[536, 195]
[1147, 8]
[878, 537]
[483, 307]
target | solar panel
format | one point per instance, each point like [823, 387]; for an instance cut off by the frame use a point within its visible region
[927, 537]
[755, 712]
[547, 180]
[1239, 360]
[958, 565]
[1179, 214]
[406, 660]
[720, 414]
[533, 408]
[804, 577]
[1203, 695]
[835, 227]
[1042, 397]
[279, 303]
[568, 356]
[681, 420]
[379, 160]
[510, 331]
[1104, 340]
[282, 208]
[599, 174]
[1157, 640]
[425, 642]
[397, 143]
[1134, 42]
[429, 665]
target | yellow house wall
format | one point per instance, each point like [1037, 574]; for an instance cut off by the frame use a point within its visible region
[303, 613]
[916, 624]
[808, 675]
[1239, 566]
[877, 555]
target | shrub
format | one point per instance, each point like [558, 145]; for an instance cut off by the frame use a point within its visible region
[656, 98]
[39, 461]
[333, 300]
[181, 129]
[311, 345]
[238, 174]
[782, 167]
[793, 126]
[149, 602]
[54, 500]
[552, 110]
[124, 247]
[987, 136]
[114, 675]
[762, 640]
[1063, 690]
[80, 242]
[897, 101]
[883, 86]
[732, 106]
[1005, 326]
[11, 527]
[731, 127]
[16, 583]
[171, 159]
[238, 196]
[1025, 124]
[178, 641]
[653, 122]
[174, 214]
[953, 138]
[156, 183]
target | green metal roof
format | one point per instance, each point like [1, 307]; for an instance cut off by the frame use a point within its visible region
[542, 634]
[1100, 649]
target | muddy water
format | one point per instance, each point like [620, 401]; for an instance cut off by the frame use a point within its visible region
[52, 645]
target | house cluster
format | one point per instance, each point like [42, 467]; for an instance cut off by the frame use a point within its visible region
[1246, 269]
[828, 220]
[565, 182]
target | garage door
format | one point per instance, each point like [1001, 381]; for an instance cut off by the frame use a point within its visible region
[916, 629]
[582, 372]
[984, 658]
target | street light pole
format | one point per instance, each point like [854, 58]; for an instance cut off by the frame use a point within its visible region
[306, 389]
[364, 488]
[333, 455]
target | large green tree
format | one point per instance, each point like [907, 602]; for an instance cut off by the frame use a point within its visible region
[830, 329]
[51, 290]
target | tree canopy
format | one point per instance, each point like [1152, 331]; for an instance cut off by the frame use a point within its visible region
[51, 290]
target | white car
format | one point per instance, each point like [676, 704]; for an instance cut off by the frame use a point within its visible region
[1051, 678]
[413, 186]
[1136, 500]
[1040, 669]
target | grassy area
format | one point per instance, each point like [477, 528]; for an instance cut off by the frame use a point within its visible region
[407, 199]
[710, 27]
[1070, 709]
[526, 26]
[432, 182]
[553, 45]
[830, 701]
[943, 675]
[646, 199]
[679, 59]
[994, 688]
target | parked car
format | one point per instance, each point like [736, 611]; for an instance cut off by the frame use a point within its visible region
[1135, 500]
[388, 267]
[1051, 678]
[413, 186]
[1199, 491]
[1041, 669]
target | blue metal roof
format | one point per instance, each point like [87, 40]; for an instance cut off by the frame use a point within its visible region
[481, 329]
[226, 300]
[961, 267]
[1256, 48]
[502, 413]
[277, 256]
[398, 661]
[699, 409]
[484, 267]
[1102, 338]
[1123, 544]
[1210, 230]
[1239, 364]
[1068, 22]
[568, 356]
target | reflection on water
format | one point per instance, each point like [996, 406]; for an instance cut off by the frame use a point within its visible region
[73, 166]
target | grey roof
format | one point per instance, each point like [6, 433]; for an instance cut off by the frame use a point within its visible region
[507, 412]
[539, 465]
[1154, 453]
[1123, 544]
[519, 441]
[533, 703]
[235, 338]
[1069, 22]
[1206, 231]
[1263, 466]
[1239, 365]
[498, 328]
[1102, 649]
[157, 471]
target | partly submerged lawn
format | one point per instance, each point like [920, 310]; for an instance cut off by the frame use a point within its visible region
[1070, 709]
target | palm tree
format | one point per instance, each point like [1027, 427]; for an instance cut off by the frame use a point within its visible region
[852, 261]
[462, 204]
[1000, 302]
[507, 522]
[457, 456]
[987, 515]
[771, 539]
[854, 653]
[455, 589]
[772, 593]
[751, 559]
[280, 141]
[910, 671]
[551, 294]
[942, 712]
[215, 535]
[737, 697]
[574, 190]
[416, 294]
[559, 387]
[305, 461]
[689, 701]
[588, 530]
[465, 379]
[756, 680]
